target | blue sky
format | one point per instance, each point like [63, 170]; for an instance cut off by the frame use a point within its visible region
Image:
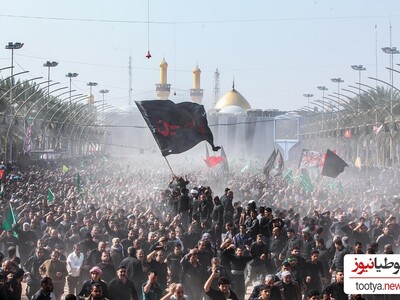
[275, 50]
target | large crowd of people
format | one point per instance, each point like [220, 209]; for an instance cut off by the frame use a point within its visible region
[106, 228]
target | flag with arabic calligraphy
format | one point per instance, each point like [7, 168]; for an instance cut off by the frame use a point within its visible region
[176, 127]
[27, 143]
[310, 159]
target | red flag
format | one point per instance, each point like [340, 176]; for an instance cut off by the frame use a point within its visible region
[2, 172]
[212, 161]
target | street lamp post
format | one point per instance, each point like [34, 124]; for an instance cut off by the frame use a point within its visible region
[391, 51]
[70, 76]
[48, 65]
[359, 68]
[323, 89]
[338, 81]
[12, 46]
[103, 92]
[308, 96]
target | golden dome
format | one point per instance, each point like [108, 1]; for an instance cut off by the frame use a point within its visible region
[234, 98]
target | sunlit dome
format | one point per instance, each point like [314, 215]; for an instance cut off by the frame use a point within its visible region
[233, 98]
[232, 109]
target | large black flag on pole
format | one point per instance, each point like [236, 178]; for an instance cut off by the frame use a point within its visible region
[333, 165]
[176, 127]
[269, 165]
[278, 164]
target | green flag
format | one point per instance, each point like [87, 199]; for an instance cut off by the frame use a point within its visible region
[79, 184]
[50, 196]
[245, 168]
[289, 176]
[10, 219]
[65, 169]
[340, 189]
[305, 183]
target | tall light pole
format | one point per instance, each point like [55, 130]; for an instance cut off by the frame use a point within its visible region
[323, 89]
[391, 51]
[91, 85]
[48, 65]
[308, 96]
[70, 76]
[13, 46]
[103, 92]
[358, 68]
[338, 81]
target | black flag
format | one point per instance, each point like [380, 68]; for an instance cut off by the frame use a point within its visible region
[278, 165]
[333, 165]
[270, 163]
[176, 127]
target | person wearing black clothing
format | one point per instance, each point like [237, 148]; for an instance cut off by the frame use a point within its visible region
[205, 210]
[227, 203]
[132, 265]
[157, 264]
[221, 271]
[293, 241]
[14, 286]
[8, 239]
[95, 274]
[338, 259]
[224, 197]
[121, 287]
[87, 244]
[27, 239]
[184, 206]
[45, 290]
[336, 289]
[128, 242]
[253, 225]
[32, 266]
[107, 268]
[192, 275]
[269, 282]
[238, 265]
[314, 273]
[174, 264]
[260, 253]
[53, 240]
[308, 242]
[217, 219]
[94, 256]
[224, 292]
[276, 244]
[289, 289]
[226, 252]
[114, 230]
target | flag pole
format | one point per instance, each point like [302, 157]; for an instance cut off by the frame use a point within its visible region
[169, 166]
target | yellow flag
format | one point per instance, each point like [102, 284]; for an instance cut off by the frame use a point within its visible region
[357, 163]
[65, 169]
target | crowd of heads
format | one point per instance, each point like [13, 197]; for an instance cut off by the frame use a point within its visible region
[130, 209]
